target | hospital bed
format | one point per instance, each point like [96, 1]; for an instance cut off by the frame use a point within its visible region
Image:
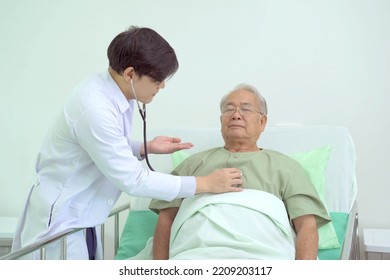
[326, 152]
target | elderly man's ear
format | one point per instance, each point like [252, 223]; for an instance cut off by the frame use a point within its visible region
[263, 122]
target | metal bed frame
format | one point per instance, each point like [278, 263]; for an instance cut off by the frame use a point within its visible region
[61, 236]
[351, 247]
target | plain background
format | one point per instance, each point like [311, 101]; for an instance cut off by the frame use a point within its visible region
[316, 62]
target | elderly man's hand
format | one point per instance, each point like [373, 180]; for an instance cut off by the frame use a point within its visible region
[165, 145]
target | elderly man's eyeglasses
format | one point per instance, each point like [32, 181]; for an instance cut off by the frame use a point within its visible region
[243, 110]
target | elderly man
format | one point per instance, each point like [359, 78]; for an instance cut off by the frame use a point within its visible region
[265, 172]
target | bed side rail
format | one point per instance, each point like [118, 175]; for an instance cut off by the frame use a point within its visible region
[61, 237]
[351, 249]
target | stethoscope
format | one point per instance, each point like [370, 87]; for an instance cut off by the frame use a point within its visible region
[142, 112]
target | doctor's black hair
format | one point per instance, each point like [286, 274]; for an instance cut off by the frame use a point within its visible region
[145, 50]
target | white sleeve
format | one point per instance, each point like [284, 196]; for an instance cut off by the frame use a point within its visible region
[102, 138]
[136, 148]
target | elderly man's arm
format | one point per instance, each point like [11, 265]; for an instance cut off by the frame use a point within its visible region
[306, 243]
[162, 233]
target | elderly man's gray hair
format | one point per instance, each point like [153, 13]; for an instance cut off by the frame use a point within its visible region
[263, 104]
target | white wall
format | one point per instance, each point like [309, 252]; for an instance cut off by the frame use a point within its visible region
[316, 62]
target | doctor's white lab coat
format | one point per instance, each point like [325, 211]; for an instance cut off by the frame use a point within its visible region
[85, 162]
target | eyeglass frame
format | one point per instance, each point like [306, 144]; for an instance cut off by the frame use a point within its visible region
[241, 110]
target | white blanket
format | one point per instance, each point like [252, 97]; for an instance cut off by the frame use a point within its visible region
[246, 225]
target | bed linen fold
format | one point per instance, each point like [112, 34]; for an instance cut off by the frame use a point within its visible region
[250, 224]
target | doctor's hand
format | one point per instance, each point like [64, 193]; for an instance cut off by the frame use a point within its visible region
[220, 181]
[165, 145]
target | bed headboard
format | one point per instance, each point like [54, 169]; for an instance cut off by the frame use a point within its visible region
[340, 181]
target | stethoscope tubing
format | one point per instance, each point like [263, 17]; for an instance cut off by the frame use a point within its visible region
[142, 112]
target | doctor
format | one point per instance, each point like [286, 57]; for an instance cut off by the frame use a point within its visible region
[89, 158]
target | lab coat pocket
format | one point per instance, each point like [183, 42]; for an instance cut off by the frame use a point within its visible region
[69, 213]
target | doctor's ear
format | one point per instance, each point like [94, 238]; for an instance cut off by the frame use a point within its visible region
[129, 74]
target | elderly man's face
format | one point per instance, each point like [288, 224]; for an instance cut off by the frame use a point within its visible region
[241, 122]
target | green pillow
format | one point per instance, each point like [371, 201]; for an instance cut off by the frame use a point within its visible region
[140, 225]
[178, 157]
[340, 223]
[315, 162]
